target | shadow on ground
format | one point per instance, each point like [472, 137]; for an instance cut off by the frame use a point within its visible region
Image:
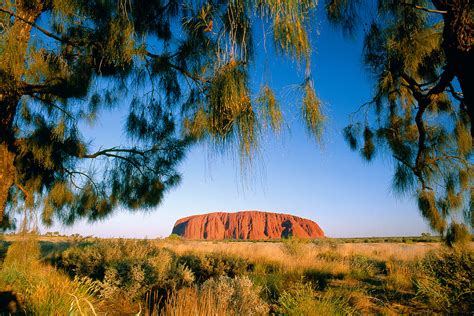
[9, 304]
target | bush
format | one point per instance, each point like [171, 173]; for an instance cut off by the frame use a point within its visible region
[363, 267]
[298, 300]
[238, 294]
[129, 278]
[214, 265]
[293, 246]
[84, 261]
[446, 283]
[126, 269]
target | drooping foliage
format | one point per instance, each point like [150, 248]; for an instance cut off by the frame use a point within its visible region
[178, 70]
[422, 109]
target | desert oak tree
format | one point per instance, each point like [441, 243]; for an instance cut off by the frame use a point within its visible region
[421, 56]
[178, 69]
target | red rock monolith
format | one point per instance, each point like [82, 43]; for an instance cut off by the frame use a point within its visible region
[246, 225]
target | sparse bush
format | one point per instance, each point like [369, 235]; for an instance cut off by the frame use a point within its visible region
[330, 255]
[294, 246]
[174, 237]
[399, 275]
[214, 265]
[234, 278]
[300, 299]
[239, 295]
[83, 261]
[130, 277]
[180, 276]
[446, 283]
[363, 267]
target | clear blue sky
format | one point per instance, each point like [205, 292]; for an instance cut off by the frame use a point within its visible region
[331, 185]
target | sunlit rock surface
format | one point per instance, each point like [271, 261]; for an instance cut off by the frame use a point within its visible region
[246, 225]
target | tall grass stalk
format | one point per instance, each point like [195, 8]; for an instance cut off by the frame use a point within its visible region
[41, 289]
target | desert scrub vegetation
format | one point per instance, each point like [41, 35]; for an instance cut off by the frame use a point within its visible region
[41, 289]
[446, 282]
[294, 277]
[218, 296]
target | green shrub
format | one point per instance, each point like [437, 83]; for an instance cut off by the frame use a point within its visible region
[214, 265]
[446, 283]
[300, 299]
[363, 267]
[174, 238]
[126, 269]
[239, 294]
[293, 246]
[84, 261]
[130, 277]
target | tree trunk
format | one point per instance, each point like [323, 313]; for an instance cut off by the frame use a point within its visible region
[7, 176]
[458, 46]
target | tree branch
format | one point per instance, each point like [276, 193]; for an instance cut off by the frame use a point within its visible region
[444, 81]
[423, 8]
[116, 150]
[176, 67]
[457, 95]
[73, 172]
[51, 104]
[112, 152]
[39, 28]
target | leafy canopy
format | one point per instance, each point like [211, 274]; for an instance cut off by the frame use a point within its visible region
[180, 71]
[417, 115]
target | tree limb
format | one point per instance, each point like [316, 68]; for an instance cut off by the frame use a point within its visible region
[51, 104]
[176, 67]
[39, 28]
[455, 94]
[423, 8]
[73, 172]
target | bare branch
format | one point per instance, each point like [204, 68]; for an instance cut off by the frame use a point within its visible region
[73, 172]
[183, 71]
[423, 8]
[104, 152]
[51, 104]
[42, 30]
[457, 95]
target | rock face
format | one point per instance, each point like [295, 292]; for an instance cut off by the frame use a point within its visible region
[247, 225]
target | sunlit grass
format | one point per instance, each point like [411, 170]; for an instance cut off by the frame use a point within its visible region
[40, 288]
[178, 277]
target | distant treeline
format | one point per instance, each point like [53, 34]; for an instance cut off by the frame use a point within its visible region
[425, 237]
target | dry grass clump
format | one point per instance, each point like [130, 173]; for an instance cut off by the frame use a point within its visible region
[301, 299]
[41, 289]
[400, 276]
[217, 296]
[446, 280]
